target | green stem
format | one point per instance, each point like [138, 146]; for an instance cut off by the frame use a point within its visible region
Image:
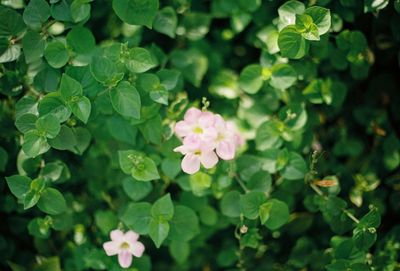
[241, 183]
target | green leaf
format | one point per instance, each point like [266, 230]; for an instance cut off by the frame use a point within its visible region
[52, 104]
[34, 144]
[33, 195]
[296, 167]
[184, 226]
[274, 214]
[283, 76]
[171, 167]
[49, 264]
[371, 219]
[56, 54]
[81, 40]
[106, 221]
[11, 23]
[321, 18]
[49, 125]
[158, 231]
[291, 43]
[26, 122]
[364, 237]
[163, 208]
[136, 12]
[39, 227]
[33, 46]
[137, 217]
[103, 70]
[139, 165]
[305, 25]
[230, 204]
[65, 140]
[287, 12]
[152, 130]
[81, 108]
[268, 135]
[125, 100]
[250, 203]
[69, 88]
[11, 54]
[140, 60]
[180, 251]
[192, 63]
[52, 202]
[166, 21]
[251, 79]
[18, 185]
[136, 190]
[47, 79]
[199, 182]
[80, 10]
[36, 13]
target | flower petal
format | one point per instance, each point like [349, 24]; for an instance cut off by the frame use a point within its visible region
[190, 163]
[111, 248]
[116, 235]
[206, 119]
[226, 150]
[137, 249]
[192, 114]
[182, 128]
[209, 159]
[125, 259]
[131, 237]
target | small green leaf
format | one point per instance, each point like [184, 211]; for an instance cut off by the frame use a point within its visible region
[125, 100]
[81, 40]
[69, 88]
[296, 167]
[106, 221]
[274, 213]
[137, 217]
[166, 21]
[136, 190]
[230, 204]
[283, 76]
[11, 24]
[52, 104]
[250, 204]
[287, 12]
[138, 164]
[251, 79]
[136, 12]
[18, 185]
[321, 18]
[33, 46]
[184, 226]
[56, 54]
[103, 70]
[140, 60]
[364, 237]
[81, 108]
[158, 231]
[52, 202]
[163, 208]
[291, 43]
[49, 125]
[80, 10]
[34, 144]
[26, 122]
[36, 13]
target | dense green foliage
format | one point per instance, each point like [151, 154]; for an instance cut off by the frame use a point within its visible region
[90, 92]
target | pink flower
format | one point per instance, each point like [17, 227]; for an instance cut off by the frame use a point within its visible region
[197, 124]
[125, 245]
[205, 136]
[196, 153]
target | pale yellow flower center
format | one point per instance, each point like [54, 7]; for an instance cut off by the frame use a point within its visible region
[197, 130]
[124, 245]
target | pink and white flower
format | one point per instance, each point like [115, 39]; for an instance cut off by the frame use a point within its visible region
[206, 136]
[124, 245]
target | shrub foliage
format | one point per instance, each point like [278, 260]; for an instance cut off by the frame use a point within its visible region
[90, 94]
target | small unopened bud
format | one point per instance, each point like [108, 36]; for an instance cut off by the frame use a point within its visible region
[243, 229]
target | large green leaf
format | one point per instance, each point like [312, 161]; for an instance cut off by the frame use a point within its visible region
[137, 12]
[125, 100]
